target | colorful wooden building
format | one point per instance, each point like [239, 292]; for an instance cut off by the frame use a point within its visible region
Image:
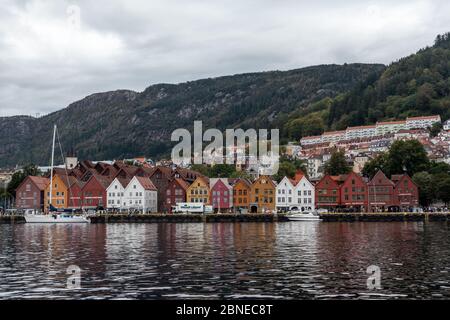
[353, 193]
[175, 193]
[199, 191]
[406, 192]
[30, 193]
[221, 193]
[328, 193]
[381, 193]
[241, 195]
[263, 195]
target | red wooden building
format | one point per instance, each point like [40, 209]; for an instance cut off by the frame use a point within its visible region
[75, 194]
[94, 191]
[406, 192]
[175, 193]
[30, 193]
[221, 195]
[353, 193]
[381, 193]
[328, 193]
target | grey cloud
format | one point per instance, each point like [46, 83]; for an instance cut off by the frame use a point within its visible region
[132, 44]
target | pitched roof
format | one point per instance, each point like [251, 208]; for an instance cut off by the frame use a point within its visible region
[146, 183]
[40, 182]
[391, 122]
[424, 117]
[103, 180]
[182, 183]
[298, 176]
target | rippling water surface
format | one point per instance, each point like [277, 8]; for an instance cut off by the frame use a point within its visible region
[295, 260]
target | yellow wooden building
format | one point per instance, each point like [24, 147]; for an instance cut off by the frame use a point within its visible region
[199, 191]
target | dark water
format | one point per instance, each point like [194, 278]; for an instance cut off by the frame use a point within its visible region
[297, 260]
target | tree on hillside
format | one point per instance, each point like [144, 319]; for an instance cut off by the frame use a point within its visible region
[403, 157]
[407, 156]
[288, 167]
[427, 188]
[371, 167]
[337, 164]
[435, 129]
[443, 189]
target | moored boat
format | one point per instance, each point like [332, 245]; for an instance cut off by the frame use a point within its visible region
[303, 216]
[56, 218]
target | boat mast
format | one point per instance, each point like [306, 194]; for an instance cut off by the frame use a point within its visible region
[51, 167]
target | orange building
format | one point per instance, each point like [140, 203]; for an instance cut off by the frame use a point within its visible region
[59, 192]
[199, 191]
[262, 196]
[241, 194]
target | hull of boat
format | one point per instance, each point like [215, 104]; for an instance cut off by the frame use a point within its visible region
[304, 219]
[55, 219]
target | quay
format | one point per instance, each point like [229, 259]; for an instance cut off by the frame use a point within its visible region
[385, 216]
[214, 218]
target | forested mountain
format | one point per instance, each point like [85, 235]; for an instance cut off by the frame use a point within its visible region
[299, 102]
[124, 123]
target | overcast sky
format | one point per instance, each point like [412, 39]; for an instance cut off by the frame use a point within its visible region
[54, 52]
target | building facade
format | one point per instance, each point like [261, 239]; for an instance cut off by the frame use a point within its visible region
[262, 195]
[241, 195]
[141, 194]
[327, 193]
[406, 192]
[30, 193]
[353, 193]
[176, 193]
[199, 191]
[380, 193]
[221, 194]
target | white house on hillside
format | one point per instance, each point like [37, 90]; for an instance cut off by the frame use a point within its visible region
[297, 193]
[140, 194]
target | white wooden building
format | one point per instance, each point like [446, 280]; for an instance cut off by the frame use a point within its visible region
[141, 194]
[297, 193]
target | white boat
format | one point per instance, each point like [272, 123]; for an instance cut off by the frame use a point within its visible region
[303, 216]
[55, 218]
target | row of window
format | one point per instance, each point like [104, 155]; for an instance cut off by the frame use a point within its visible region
[299, 192]
[289, 200]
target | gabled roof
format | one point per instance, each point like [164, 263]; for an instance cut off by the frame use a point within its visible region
[103, 180]
[214, 181]
[298, 176]
[40, 182]
[182, 183]
[146, 183]
[380, 175]
[246, 182]
[397, 178]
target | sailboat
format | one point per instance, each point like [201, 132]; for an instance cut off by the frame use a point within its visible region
[55, 215]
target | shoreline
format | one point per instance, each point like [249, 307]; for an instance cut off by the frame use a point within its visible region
[226, 217]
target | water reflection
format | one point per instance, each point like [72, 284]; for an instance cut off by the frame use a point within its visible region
[226, 260]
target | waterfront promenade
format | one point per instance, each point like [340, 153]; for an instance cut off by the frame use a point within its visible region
[210, 218]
